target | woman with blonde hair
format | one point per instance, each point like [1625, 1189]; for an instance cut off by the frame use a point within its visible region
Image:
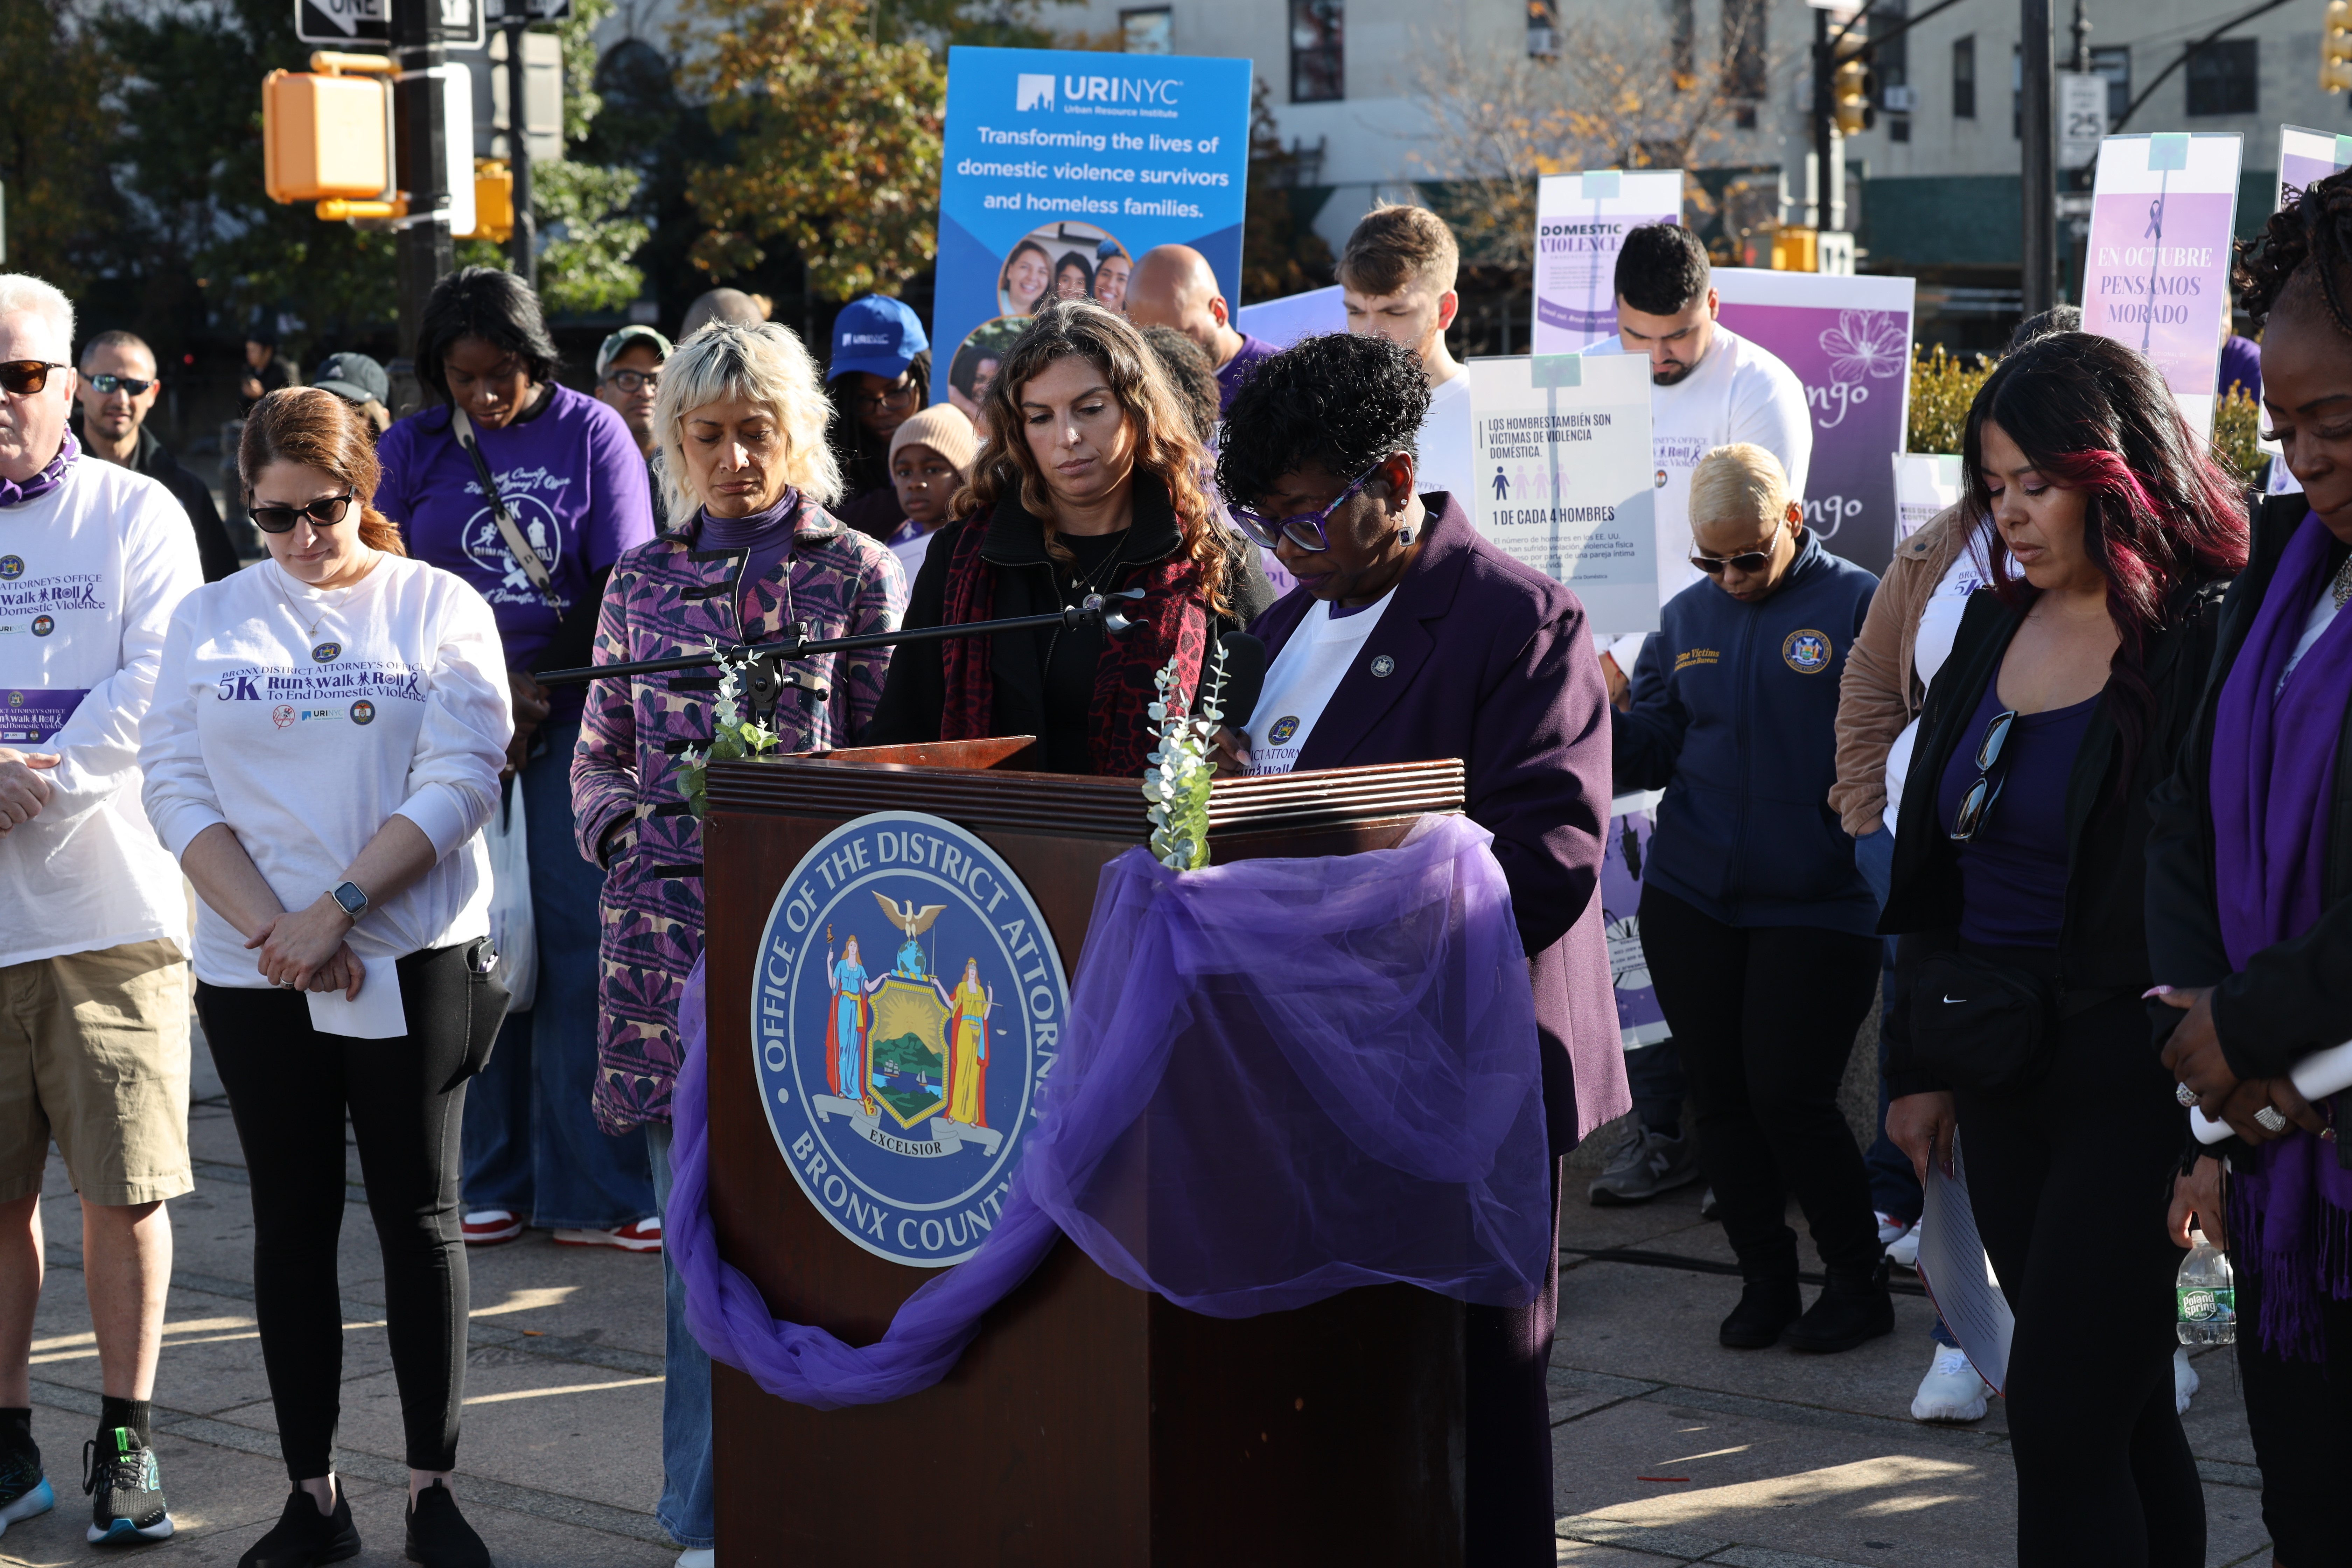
[1090, 484]
[324, 751]
[740, 421]
[1759, 931]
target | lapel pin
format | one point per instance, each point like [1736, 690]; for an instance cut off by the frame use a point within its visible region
[1383, 665]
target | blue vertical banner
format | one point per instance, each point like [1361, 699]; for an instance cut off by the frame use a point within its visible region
[1063, 166]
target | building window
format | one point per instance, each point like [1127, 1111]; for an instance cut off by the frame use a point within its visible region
[2017, 92]
[1891, 62]
[1964, 78]
[1145, 32]
[2114, 64]
[2222, 77]
[1319, 57]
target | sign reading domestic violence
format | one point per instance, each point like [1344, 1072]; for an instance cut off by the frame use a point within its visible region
[1062, 167]
[1581, 224]
[1560, 451]
[1848, 339]
[2157, 272]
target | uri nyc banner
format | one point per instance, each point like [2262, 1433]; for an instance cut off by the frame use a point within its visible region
[2158, 273]
[1063, 167]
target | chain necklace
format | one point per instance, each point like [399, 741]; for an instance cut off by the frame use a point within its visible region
[292, 609]
[1093, 579]
[2342, 586]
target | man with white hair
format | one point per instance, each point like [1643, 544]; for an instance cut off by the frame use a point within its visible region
[94, 1001]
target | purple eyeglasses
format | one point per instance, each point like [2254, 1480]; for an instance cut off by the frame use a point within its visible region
[1305, 530]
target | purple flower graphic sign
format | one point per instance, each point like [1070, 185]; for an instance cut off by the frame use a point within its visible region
[1849, 340]
[2157, 275]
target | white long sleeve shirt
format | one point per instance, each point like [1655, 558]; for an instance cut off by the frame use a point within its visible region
[304, 718]
[90, 575]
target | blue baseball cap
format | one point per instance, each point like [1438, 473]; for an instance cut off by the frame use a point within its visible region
[878, 336]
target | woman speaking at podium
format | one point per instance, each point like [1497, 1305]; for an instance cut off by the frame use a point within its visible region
[1088, 484]
[1410, 638]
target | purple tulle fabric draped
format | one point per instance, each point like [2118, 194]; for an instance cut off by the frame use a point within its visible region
[1282, 1079]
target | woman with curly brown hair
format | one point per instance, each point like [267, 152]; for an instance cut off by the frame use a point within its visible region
[1090, 484]
[2250, 891]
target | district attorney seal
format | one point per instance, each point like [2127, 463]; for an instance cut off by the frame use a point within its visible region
[908, 1004]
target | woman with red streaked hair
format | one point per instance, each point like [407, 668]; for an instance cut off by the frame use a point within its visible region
[2019, 889]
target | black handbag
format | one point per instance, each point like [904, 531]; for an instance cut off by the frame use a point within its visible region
[485, 1009]
[1980, 1025]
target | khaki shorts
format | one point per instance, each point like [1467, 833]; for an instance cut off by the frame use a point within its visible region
[94, 1053]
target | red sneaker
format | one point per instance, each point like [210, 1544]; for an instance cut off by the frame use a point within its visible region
[488, 1228]
[639, 1235]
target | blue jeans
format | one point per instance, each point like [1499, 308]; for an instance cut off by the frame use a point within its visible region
[531, 1143]
[1655, 1074]
[688, 1507]
[1894, 1184]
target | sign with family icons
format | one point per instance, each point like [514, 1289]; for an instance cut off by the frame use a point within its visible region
[1560, 448]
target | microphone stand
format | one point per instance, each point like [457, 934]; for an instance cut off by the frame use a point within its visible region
[766, 676]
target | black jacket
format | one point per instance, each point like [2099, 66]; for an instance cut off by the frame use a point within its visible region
[915, 695]
[2103, 942]
[2292, 998]
[154, 459]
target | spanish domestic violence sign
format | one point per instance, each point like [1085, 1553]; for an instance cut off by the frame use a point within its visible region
[2157, 272]
[1063, 167]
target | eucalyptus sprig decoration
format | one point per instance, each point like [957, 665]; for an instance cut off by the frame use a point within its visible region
[1177, 783]
[732, 736]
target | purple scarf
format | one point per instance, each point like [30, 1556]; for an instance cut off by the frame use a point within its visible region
[2274, 772]
[13, 493]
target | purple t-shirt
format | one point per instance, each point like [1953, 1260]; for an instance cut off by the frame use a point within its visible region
[574, 480]
[2242, 365]
[1234, 371]
[2013, 872]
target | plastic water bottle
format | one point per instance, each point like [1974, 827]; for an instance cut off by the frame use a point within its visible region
[2206, 1296]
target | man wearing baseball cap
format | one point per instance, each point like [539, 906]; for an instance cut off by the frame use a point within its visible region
[880, 372]
[360, 382]
[628, 373]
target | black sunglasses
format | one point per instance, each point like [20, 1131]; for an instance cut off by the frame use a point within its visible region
[1977, 805]
[1746, 561]
[24, 378]
[326, 512]
[108, 384]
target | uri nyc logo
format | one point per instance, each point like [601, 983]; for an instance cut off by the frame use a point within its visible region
[907, 1004]
[326, 653]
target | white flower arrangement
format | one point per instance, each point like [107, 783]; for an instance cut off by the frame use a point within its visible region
[732, 736]
[1177, 783]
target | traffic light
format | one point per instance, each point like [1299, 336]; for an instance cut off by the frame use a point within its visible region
[1850, 93]
[327, 137]
[2335, 48]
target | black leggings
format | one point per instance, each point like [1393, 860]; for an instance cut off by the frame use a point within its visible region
[2300, 1416]
[1764, 1018]
[290, 1088]
[2070, 1182]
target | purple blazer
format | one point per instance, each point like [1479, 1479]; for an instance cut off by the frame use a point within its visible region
[1492, 662]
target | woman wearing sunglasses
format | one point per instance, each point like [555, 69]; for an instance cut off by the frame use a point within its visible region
[1410, 638]
[322, 753]
[2018, 886]
[1755, 922]
[1090, 484]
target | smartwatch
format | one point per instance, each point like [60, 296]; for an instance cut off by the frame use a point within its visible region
[353, 900]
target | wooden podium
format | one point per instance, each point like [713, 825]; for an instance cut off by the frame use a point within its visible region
[1088, 1423]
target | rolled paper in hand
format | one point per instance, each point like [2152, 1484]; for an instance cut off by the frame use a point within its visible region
[2317, 1076]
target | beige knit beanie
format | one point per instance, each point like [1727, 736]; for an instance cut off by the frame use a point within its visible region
[944, 428]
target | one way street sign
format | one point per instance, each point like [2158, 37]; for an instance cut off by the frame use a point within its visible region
[368, 22]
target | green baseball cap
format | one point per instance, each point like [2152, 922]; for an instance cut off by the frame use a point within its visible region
[620, 341]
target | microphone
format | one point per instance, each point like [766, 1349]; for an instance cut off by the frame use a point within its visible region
[1244, 678]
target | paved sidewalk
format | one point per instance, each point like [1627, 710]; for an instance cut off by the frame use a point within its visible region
[1782, 1460]
[561, 1463]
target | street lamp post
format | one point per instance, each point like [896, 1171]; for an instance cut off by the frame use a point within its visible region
[2039, 232]
[523, 244]
[424, 252]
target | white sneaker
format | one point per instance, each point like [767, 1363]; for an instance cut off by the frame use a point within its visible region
[699, 1557]
[2185, 1380]
[1900, 1240]
[1952, 1391]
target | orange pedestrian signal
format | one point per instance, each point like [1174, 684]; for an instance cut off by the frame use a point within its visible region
[325, 136]
[493, 201]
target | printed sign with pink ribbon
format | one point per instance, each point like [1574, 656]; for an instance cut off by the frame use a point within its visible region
[1581, 224]
[2158, 274]
[1848, 339]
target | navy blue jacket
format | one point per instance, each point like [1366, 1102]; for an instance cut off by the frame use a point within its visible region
[1735, 717]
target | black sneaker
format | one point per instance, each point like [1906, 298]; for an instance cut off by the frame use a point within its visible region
[439, 1535]
[25, 1492]
[126, 1489]
[1766, 1307]
[303, 1537]
[1849, 1310]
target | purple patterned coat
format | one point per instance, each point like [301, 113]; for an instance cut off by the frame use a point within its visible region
[667, 598]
